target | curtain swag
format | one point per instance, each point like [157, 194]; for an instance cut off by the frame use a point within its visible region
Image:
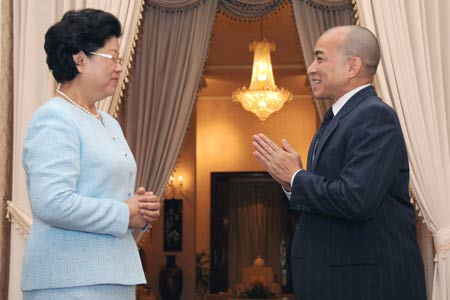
[243, 10]
[250, 10]
[174, 5]
[329, 4]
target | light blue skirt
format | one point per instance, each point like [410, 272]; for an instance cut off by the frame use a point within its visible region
[90, 292]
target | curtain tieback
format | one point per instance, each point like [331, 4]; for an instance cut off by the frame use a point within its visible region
[442, 242]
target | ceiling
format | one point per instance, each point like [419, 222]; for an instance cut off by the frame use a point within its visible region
[229, 63]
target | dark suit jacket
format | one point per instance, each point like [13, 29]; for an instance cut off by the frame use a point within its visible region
[356, 235]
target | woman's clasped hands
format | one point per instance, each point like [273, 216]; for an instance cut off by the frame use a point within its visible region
[144, 208]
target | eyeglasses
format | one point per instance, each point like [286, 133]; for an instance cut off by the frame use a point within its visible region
[115, 59]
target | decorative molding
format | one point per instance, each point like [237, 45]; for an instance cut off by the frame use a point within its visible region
[18, 217]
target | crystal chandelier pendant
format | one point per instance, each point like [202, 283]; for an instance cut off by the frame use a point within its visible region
[263, 97]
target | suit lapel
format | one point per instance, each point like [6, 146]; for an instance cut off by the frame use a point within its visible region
[334, 123]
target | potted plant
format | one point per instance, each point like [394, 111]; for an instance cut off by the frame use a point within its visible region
[257, 289]
[202, 272]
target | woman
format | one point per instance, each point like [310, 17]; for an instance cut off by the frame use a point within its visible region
[81, 174]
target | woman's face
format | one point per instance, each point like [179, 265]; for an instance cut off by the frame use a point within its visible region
[102, 73]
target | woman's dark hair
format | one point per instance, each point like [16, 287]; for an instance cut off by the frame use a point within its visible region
[84, 30]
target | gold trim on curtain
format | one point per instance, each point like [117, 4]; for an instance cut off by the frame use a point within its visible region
[127, 58]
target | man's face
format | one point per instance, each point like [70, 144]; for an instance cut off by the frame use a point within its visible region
[328, 73]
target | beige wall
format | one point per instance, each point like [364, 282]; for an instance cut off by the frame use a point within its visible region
[224, 143]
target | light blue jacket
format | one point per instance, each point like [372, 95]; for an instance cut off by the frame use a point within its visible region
[79, 173]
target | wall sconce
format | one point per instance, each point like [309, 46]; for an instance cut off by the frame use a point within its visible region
[173, 186]
[180, 182]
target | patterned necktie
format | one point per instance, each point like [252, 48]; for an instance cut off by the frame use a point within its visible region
[326, 120]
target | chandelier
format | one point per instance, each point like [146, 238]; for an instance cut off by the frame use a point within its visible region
[263, 97]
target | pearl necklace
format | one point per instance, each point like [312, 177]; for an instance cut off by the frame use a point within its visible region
[97, 115]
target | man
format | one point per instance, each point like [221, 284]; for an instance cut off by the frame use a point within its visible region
[355, 237]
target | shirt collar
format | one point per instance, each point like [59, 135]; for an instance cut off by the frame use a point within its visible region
[344, 98]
